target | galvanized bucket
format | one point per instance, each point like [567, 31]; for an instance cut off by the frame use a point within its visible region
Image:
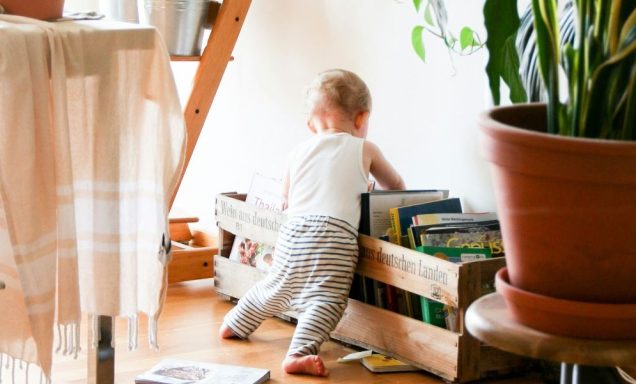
[180, 22]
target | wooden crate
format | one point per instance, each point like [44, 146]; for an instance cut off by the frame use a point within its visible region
[192, 252]
[454, 356]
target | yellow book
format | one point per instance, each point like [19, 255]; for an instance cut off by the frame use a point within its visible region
[381, 363]
[396, 228]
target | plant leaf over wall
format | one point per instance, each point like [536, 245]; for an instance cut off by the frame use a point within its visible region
[417, 42]
[502, 21]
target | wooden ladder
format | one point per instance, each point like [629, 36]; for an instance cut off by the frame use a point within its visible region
[212, 64]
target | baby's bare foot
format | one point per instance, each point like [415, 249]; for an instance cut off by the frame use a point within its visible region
[227, 333]
[310, 365]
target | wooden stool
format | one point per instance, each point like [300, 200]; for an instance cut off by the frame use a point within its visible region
[582, 360]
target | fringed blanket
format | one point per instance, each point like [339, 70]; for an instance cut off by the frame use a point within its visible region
[91, 143]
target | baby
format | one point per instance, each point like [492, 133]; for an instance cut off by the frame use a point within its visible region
[317, 249]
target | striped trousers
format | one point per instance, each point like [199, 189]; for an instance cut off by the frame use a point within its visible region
[314, 261]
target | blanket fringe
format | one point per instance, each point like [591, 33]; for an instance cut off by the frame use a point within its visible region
[8, 362]
[68, 336]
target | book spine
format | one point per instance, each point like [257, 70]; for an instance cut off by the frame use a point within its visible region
[395, 224]
[412, 243]
[365, 214]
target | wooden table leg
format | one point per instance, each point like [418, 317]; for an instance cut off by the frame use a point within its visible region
[101, 360]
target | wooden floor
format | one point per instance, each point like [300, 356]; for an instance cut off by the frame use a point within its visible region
[188, 330]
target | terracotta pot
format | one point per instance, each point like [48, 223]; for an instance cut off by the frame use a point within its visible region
[567, 317]
[567, 207]
[37, 9]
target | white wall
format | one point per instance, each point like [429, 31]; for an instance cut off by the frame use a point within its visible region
[424, 116]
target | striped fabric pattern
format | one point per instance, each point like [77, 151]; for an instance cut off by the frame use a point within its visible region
[314, 262]
[92, 143]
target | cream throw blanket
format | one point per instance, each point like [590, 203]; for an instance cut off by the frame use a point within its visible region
[91, 143]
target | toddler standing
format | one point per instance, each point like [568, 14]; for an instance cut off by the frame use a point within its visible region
[317, 249]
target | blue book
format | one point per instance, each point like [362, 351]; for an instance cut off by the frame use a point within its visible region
[402, 217]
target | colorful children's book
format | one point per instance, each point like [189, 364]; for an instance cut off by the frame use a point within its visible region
[402, 217]
[267, 193]
[173, 371]
[487, 235]
[375, 205]
[416, 232]
[442, 218]
[381, 363]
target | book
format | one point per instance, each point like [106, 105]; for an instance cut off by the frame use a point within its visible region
[416, 232]
[487, 235]
[441, 218]
[402, 217]
[264, 192]
[457, 255]
[433, 312]
[381, 363]
[174, 371]
[375, 205]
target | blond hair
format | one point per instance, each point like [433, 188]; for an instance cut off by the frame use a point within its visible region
[339, 88]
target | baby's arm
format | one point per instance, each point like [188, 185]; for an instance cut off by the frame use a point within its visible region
[380, 168]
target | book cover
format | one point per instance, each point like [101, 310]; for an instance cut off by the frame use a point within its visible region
[442, 218]
[264, 192]
[174, 371]
[402, 217]
[375, 205]
[381, 363]
[487, 235]
[433, 312]
[457, 255]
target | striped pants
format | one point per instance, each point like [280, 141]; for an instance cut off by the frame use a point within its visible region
[314, 261]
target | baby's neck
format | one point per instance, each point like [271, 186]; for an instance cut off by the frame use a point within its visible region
[331, 126]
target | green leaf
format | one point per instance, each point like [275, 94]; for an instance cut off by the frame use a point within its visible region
[546, 28]
[511, 74]
[501, 19]
[428, 16]
[466, 38]
[417, 42]
[417, 4]
[629, 132]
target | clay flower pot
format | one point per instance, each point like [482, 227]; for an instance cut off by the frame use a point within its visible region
[37, 9]
[567, 207]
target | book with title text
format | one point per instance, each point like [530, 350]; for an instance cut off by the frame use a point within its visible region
[402, 217]
[267, 193]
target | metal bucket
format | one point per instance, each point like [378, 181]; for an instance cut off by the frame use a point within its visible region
[122, 10]
[180, 22]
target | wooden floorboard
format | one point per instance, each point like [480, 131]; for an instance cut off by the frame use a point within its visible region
[188, 329]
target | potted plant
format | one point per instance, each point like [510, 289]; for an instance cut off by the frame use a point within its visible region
[564, 172]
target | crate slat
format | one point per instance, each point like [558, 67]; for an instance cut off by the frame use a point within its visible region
[415, 342]
[247, 220]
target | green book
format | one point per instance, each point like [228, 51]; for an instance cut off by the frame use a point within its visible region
[456, 255]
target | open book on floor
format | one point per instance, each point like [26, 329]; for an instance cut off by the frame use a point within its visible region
[173, 371]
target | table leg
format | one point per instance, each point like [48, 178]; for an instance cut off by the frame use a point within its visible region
[101, 360]
[583, 374]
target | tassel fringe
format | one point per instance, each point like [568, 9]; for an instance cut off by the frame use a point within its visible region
[8, 362]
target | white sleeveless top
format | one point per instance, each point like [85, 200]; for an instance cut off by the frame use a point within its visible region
[326, 177]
